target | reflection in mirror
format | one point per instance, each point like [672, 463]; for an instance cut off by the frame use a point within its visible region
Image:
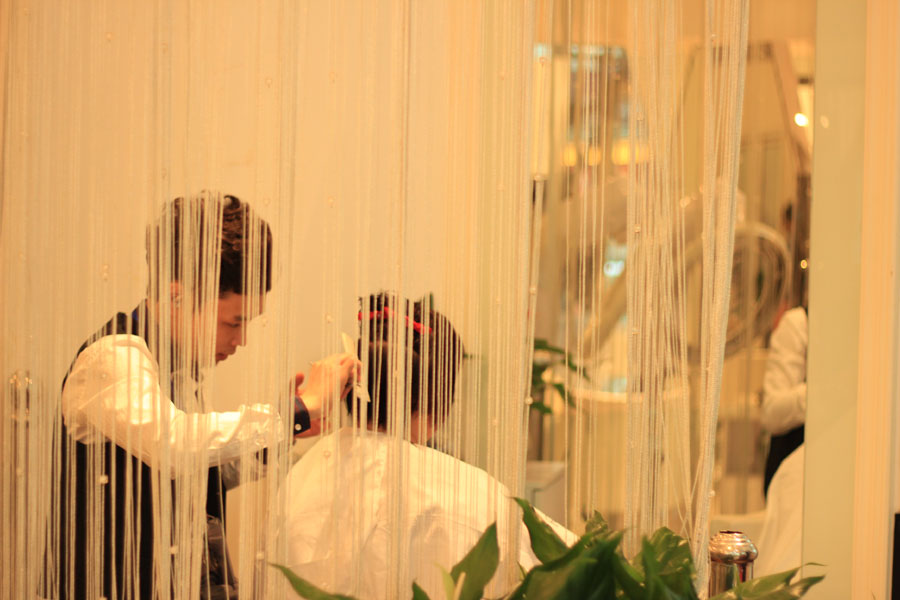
[759, 466]
[595, 161]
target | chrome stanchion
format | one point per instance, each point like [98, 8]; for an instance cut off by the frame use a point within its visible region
[731, 556]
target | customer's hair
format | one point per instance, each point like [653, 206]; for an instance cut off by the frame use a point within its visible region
[180, 235]
[432, 355]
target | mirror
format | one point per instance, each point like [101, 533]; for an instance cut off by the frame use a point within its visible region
[770, 264]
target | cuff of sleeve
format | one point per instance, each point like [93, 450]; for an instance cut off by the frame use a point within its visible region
[301, 416]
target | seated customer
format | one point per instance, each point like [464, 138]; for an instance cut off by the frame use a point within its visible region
[370, 512]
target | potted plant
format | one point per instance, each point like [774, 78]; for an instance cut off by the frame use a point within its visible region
[594, 567]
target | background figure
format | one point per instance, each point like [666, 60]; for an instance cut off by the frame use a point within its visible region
[784, 389]
[341, 492]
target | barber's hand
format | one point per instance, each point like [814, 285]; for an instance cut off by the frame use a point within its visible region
[327, 377]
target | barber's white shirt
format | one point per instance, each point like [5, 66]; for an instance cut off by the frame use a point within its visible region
[784, 383]
[366, 509]
[113, 393]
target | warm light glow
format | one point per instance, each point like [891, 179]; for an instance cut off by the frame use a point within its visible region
[803, 264]
[801, 120]
[621, 152]
[570, 155]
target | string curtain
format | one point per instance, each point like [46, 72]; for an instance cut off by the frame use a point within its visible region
[636, 257]
[388, 146]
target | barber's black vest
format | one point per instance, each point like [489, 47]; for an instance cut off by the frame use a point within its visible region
[117, 512]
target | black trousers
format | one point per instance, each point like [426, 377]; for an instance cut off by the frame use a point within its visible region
[780, 447]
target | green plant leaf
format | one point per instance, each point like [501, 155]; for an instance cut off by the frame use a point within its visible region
[449, 584]
[596, 524]
[561, 389]
[541, 408]
[307, 590]
[547, 546]
[584, 571]
[668, 566]
[537, 380]
[419, 593]
[777, 586]
[630, 580]
[594, 578]
[478, 565]
[542, 344]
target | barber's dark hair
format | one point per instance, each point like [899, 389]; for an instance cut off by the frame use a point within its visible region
[432, 358]
[243, 237]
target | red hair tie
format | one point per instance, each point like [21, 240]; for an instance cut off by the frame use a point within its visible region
[386, 312]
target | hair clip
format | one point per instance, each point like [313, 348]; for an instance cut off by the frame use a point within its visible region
[385, 313]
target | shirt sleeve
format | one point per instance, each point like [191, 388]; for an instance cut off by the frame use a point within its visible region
[253, 468]
[113, 392]
[784, 383]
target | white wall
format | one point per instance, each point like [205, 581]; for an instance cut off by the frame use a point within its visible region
[835, 234]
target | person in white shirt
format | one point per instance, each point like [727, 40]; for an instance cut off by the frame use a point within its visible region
[369, 512]
[784, 389]
[134, 429]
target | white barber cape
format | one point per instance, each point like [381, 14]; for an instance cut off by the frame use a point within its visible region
[782, 535]
[344, 507]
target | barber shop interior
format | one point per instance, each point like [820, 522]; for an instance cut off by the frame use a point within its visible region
[520, 299]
